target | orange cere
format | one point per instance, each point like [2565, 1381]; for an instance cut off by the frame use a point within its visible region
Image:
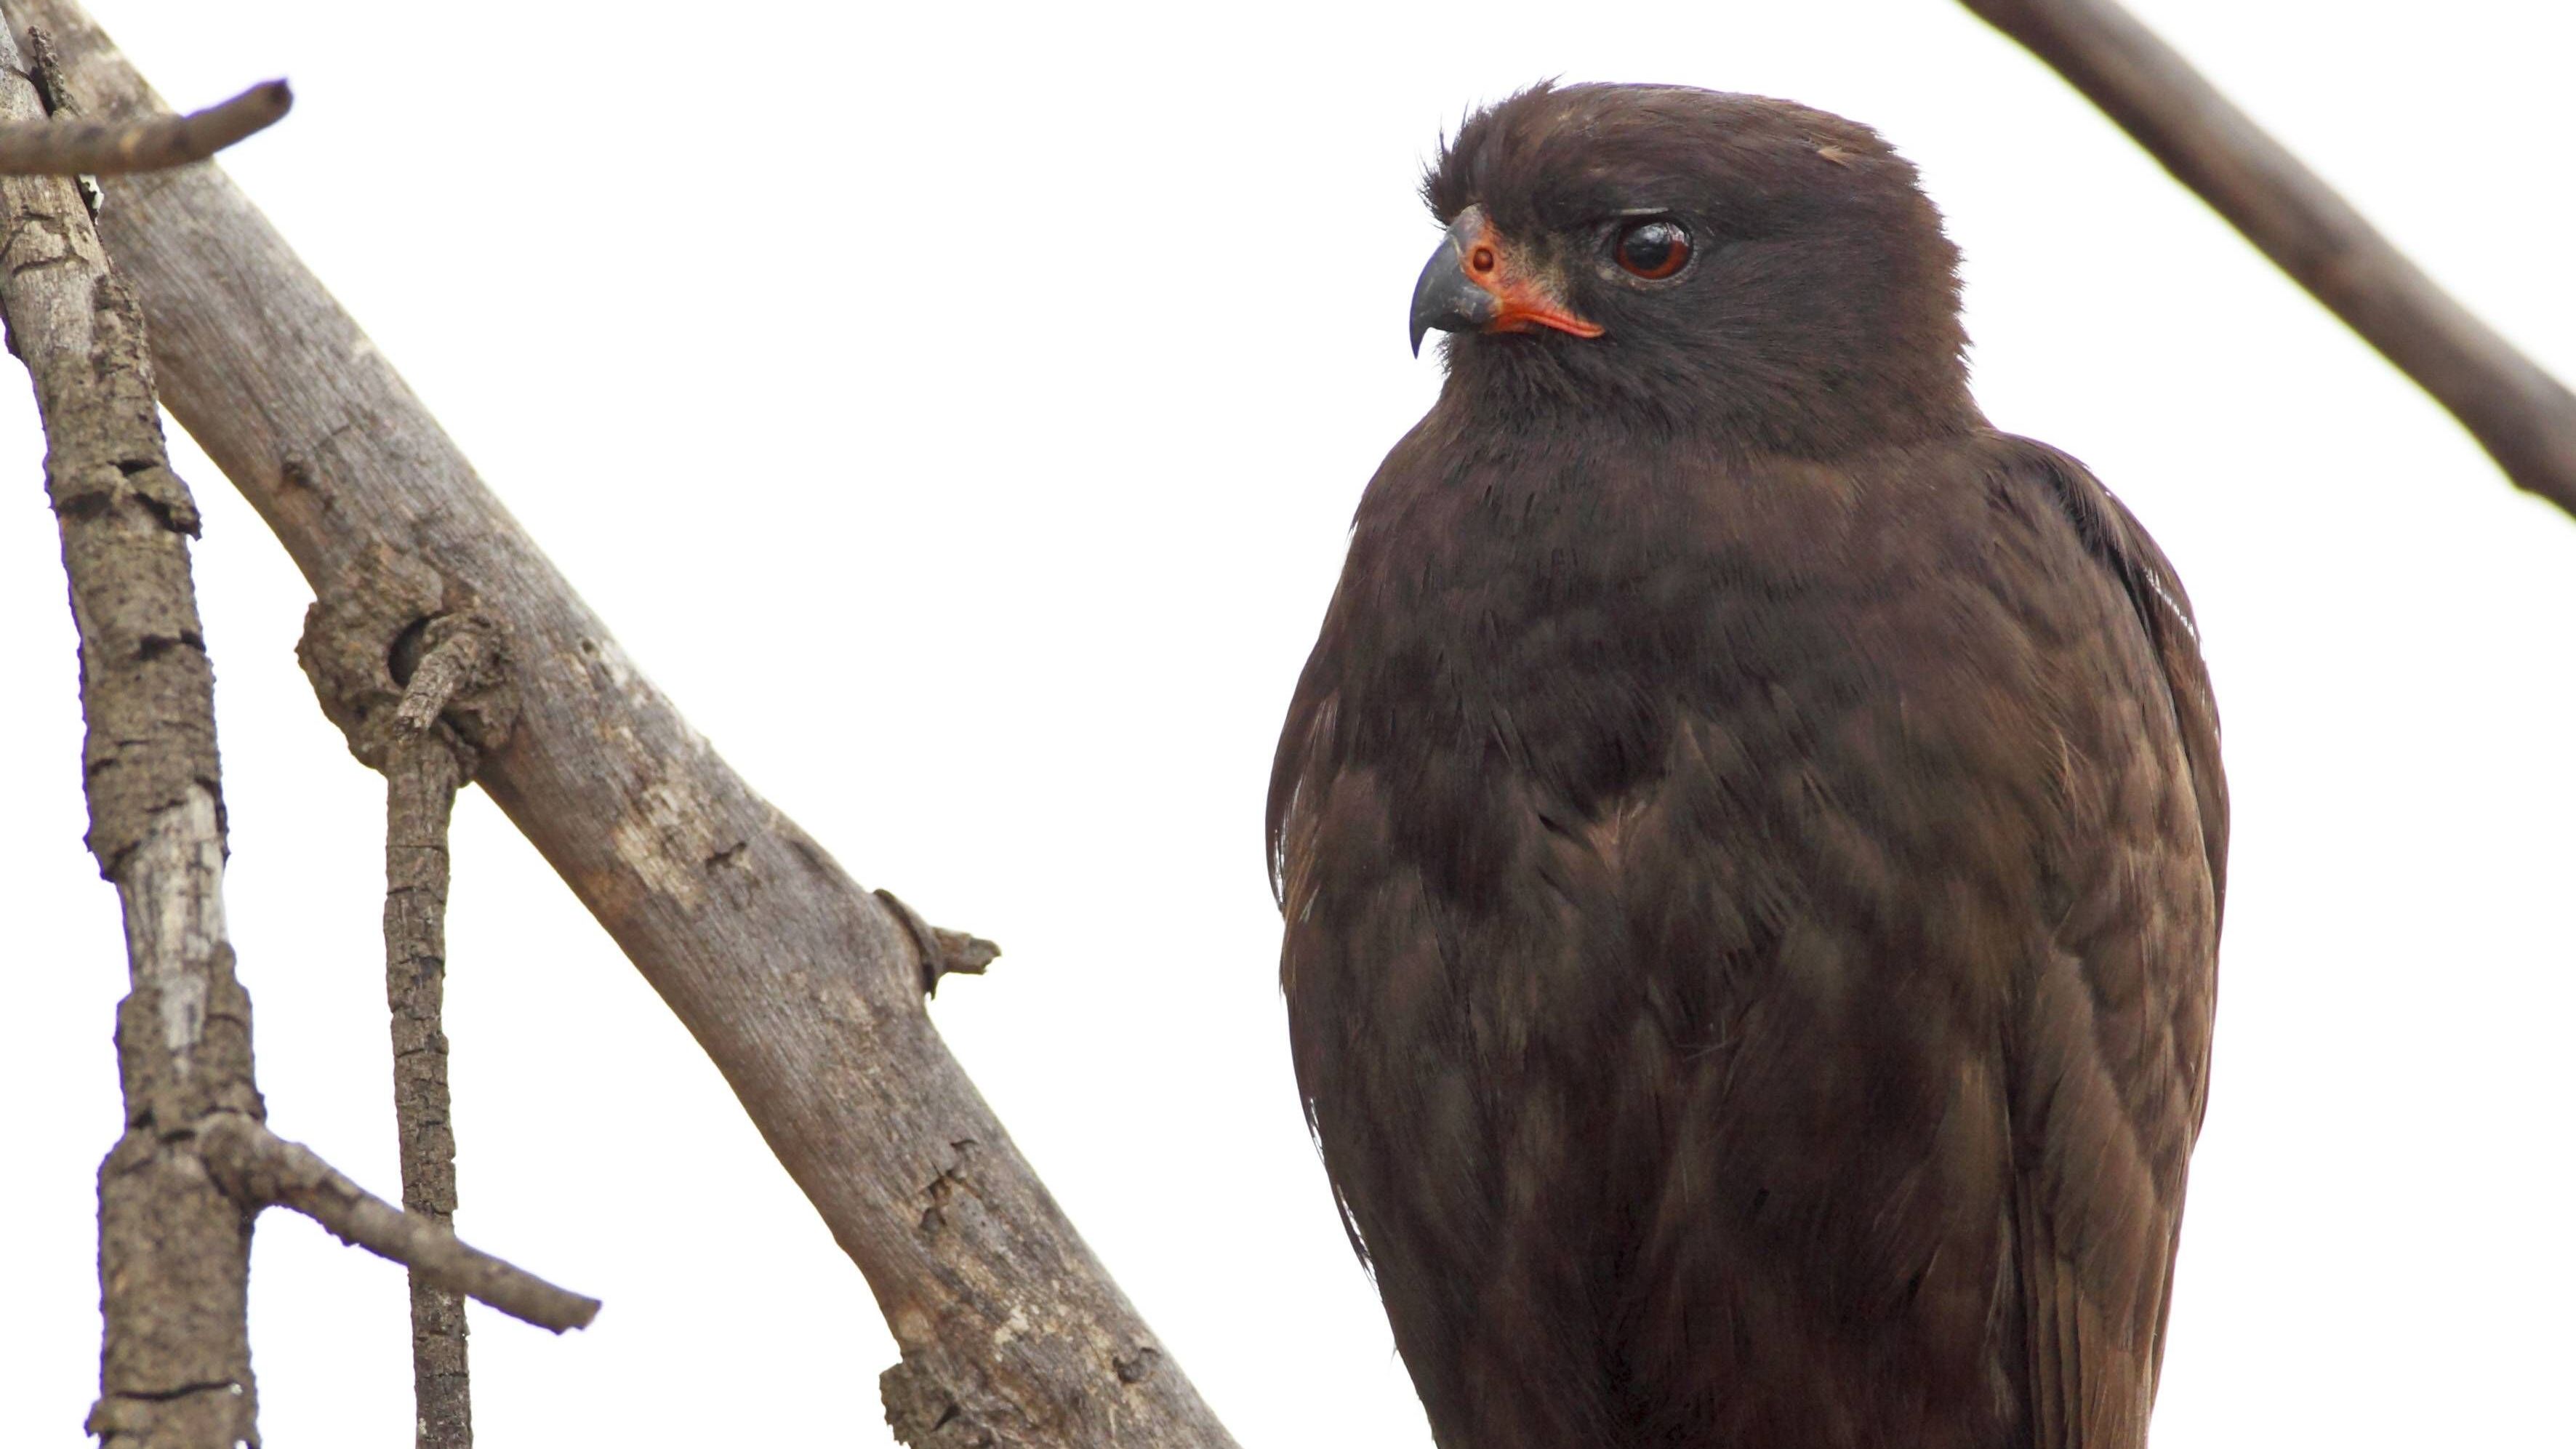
[1527, 301]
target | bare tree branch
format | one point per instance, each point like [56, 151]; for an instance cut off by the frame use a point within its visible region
[91, 148]
[421, 781]
[804, 989]
[256, 1166]
[174, 1251]
[424, 763]
[2523, 417]
[174, 1236]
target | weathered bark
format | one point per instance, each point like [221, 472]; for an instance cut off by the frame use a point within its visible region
[174, 1249]
[179, 1191]
[256, 1166]
[2523, 417]
[402, 729]
[804, 989]
[421, 781]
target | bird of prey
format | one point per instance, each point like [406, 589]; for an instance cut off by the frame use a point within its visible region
[1751, 835]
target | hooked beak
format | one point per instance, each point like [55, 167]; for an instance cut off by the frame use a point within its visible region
[1472, 285]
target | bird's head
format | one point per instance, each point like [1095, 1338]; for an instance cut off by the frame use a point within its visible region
[1701, 261]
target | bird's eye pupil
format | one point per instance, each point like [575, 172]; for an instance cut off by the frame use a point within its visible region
[1654, 249]
[1481, 259]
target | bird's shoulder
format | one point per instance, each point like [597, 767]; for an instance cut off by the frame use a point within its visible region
[2119, 546]
[1566, 616]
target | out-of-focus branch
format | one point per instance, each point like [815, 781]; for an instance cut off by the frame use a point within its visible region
[256, 1166]
[2523, 417]
[66, 147]
[804, 989]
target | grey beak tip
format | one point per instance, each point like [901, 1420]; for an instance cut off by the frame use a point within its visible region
[1444, 298]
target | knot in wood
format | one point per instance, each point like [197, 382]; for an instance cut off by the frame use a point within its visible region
[1138, 1365]
[397, 651]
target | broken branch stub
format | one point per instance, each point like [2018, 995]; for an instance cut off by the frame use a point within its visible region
[63, 146]
[939, 950]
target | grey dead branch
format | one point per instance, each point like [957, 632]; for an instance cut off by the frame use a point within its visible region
[421, 691]
[448, 649]
[194, 1164]
[805, 989]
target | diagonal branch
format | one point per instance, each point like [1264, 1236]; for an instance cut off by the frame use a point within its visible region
[257, 1168]
[2523, 417]
[804, 989]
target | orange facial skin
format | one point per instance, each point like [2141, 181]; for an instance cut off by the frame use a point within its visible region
[1525, 301]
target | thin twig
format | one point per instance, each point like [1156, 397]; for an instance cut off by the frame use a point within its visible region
[258, 1167]
[422, 775]
[153, 143]
[425, 764]
[2523, 417]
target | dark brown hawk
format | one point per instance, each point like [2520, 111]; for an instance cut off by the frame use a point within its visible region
[1751, 835]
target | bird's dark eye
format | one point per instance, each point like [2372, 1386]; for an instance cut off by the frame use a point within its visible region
[1654, 248]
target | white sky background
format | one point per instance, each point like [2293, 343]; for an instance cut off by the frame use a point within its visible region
[958, 411]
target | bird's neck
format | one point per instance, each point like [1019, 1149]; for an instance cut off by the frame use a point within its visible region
[1610, 392]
